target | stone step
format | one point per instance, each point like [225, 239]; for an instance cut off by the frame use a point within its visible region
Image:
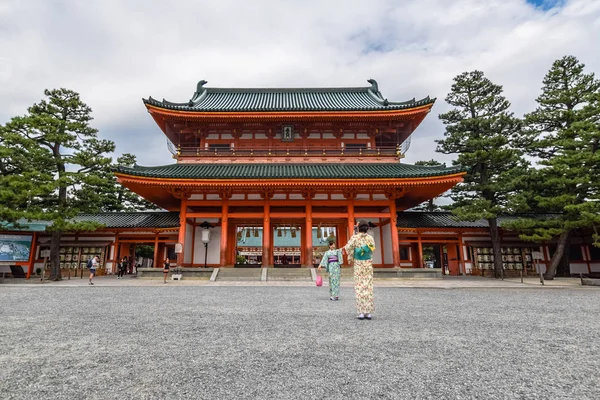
[288, 274]
[239, 274]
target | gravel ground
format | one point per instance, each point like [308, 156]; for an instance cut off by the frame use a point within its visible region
[292, 342]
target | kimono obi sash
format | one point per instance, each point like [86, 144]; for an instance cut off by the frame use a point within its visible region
[363, 253]
[332, 259]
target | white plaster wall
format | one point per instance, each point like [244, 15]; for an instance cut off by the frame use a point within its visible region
[214, 247]
[187, 251]
[376, 233]
[387, 244]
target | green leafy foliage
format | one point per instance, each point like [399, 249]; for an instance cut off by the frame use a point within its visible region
[429, 205]
[100, 192]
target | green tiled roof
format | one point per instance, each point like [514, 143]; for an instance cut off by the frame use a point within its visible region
[419, 219]
[158, 219]
[133, 219]
[288, 99]
[288, 171]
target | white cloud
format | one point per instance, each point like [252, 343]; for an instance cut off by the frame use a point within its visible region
[114, 53]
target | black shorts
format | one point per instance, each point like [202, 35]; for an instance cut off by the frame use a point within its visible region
[166, 270]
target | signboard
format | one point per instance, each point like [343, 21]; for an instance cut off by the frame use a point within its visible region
[15, 248]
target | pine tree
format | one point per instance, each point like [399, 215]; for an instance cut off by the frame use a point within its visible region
[429, 205]
[63, 148]
[563, 136]
[481, 131]
[23, 180]
[100, 191]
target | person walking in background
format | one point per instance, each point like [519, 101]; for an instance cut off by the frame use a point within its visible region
[122, 268]
[93, 265]
[166, 267]
[331, 260]
[360, 249]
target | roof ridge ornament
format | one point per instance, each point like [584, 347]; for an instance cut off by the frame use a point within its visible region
[199, 87]
[374, 86]
[200, 90]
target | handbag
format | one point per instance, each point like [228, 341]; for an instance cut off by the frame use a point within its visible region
[319, 280]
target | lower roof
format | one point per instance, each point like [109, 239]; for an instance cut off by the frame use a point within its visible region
[288, 171]
[436, 219]
[162, 219]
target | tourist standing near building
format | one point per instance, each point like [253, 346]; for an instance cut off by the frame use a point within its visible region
[122, 267]
[331, 260]
[360, 249]
[166, 267]
[93, 266]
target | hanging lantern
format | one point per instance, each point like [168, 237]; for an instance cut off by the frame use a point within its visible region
[247, 232]
[278, 232]
[319, 236]
[239, 235]
[293, 232]
[256, 232]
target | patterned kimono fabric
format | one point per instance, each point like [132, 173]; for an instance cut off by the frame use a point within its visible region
[333, 267]
[363, 270]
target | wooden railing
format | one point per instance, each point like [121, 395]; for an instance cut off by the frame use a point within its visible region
[289, 152]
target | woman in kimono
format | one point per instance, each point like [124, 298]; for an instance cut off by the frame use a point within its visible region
[360, 249]
[331, 261]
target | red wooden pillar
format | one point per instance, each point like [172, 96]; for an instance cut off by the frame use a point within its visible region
[193, 243]
[156, 260]
[32, 255]
[381, 243]
[224, 231]
[266, 250]
[308, 244]
[394, 232]
[350, 217]
[420, 255]
[182, 228]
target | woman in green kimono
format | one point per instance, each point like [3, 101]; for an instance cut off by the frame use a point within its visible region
[331, 261]
[360, 249]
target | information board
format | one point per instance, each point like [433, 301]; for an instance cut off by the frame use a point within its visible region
[14, 248]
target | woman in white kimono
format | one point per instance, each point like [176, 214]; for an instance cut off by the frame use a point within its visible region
[331, 260]
[360, 249]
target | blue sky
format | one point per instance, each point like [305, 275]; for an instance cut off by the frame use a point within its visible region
[114, 53]
[546, 4]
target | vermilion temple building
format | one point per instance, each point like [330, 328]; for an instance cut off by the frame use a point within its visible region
[292, 159]
[264, 176]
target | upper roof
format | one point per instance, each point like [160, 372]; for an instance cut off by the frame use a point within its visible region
[288, 171]
[288, 99]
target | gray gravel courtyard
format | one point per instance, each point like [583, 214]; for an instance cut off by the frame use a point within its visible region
[292, 342]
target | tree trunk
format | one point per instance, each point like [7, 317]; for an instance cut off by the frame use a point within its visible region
[493, 223]
[561, 247]
[55, 257]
